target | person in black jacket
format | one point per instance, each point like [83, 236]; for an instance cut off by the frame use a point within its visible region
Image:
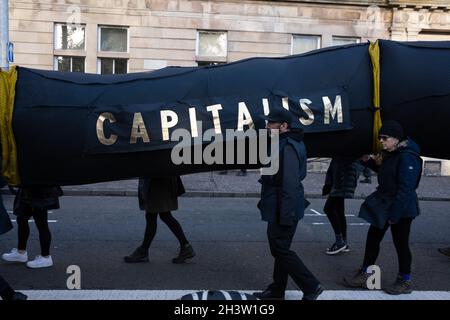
[340, 184]
[282, 205]
[6, 292]
[34, 201]
[394, 204]
[159, 196]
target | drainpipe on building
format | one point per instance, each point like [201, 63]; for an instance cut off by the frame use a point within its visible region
[4, 35]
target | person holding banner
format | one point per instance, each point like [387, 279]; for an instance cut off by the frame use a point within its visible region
[34, 201]
[6, 292]
[340, 184]
[393, 205]
[159, 196]
[282, 205]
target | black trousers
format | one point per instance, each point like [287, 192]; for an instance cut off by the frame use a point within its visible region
[40, 217]
[287, 263]
[5, 290]
[335, 211]
[3, 284]
[400, 235]
[152, 224]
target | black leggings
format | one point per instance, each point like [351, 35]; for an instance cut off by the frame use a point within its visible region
[169, 220]
[40, 217]
[335, 211]
[400, 235]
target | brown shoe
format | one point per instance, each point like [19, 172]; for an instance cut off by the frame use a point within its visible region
[400, 286]
[359, 280]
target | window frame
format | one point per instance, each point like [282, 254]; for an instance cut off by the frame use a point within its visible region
[202, 58]
[99, 38]
[55, 24]
[99, 64]
[358, 40]
[55, 63]
[319, 41]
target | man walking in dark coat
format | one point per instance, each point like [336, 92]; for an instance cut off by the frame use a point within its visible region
[282, 206]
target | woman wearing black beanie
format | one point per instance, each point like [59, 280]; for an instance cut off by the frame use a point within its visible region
[394, 204]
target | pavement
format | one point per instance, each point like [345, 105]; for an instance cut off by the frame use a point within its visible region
[213, 184]
[95, 233]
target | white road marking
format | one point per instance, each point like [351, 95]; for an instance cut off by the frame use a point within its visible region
[321, 215]
[350, 224]
[177, 294]
[316, 212]
[49, 221]
[11, 212]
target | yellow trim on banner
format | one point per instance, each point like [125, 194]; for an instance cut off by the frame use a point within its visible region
[9, 170]
[374, 51]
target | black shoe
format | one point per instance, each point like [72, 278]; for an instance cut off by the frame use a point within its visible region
[337, 248]
[268, 294]
[19, 296]
[445, 251]
[314, 295]
[186, 252]
[139, 255]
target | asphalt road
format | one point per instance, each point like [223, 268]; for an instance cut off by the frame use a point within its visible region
[229, 238]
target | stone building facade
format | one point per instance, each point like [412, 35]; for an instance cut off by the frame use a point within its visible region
[117, 36]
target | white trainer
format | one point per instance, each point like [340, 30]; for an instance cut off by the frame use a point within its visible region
[15, 256]
[40, 262]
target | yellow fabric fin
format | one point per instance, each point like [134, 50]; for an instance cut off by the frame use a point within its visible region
[374, 51]
[10, 169]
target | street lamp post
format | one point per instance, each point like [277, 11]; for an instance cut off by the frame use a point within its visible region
[4, 35]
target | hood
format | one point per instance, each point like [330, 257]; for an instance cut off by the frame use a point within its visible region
[408, 145]
[294, 133]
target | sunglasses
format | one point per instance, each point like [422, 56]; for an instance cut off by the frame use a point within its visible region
[384, 138]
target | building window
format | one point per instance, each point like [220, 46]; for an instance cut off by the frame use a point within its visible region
[304, 43]
[112, 66]
[208, 63]
[69, 64]
[338, 41]
[113, 39]
[211, 44]
[69, 37]
[432, 168]
[427, 35]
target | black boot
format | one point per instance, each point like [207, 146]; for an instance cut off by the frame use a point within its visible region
[186, 252]
[139, 255]
[269, 294]
[19, 296]
[445, 251]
